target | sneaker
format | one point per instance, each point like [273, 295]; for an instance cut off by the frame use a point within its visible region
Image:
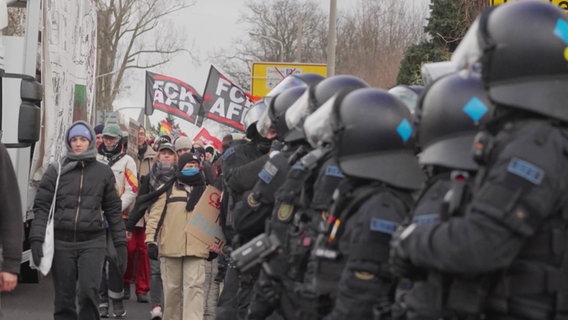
[103, 310]
[156, 313]
[142, 298]
[126, 292]
[118, 309]
[121, 315]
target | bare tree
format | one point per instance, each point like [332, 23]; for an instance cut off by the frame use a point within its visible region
[297, 24]
[370, 40]
[132, 34]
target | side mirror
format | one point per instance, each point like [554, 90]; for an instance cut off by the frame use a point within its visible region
[29, 121]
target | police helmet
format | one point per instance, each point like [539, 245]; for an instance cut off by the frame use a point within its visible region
[521, 49]
[275, 116]
[314, 97]
[252, 116]
[447, 119]
[373, 138]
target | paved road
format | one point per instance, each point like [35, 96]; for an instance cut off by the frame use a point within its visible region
[34, 301]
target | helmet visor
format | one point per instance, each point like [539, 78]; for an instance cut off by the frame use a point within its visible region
[264, 124]
[320, 125]
[287, 83]
[297, 113]
[431, 72]
[468, 53]
[254, 114]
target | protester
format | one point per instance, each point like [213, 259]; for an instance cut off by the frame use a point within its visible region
[86, 200]
[99, 135]
[183, 145]
[182, 257]
[11, 232]
[139, 268]
[124, 169]
[152, 185]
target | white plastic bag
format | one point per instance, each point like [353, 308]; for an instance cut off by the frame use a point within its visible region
[48, 246]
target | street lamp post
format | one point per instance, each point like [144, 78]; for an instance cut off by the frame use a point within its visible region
[271, 39]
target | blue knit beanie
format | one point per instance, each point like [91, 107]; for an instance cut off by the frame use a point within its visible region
[80, 130]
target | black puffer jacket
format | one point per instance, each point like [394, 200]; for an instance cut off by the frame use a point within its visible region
[85, 197]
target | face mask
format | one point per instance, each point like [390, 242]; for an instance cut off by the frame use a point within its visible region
[190, 171]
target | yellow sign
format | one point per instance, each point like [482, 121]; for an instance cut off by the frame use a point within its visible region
[563, 4]
[266, 75]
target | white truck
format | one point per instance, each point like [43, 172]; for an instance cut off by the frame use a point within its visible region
[47, 75]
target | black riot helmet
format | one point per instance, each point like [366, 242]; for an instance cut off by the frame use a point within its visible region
[373, 138]
[274, 118]
[521, 49]
[447, 119]
[314, 97]
[253, 115]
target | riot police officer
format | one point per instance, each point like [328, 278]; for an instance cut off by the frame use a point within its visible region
[372, 133]
[235, 183]
[448, 118]
[256, 202]
[516, 223]
[292, 196]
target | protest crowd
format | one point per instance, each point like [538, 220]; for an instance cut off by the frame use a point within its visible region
[333, 199]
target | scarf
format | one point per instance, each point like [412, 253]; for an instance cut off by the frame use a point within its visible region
[160, 174]
[197, 182]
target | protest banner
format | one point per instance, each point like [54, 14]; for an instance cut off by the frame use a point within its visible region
[172, 96]
[203, 223]
[204, 136]
[224, 101]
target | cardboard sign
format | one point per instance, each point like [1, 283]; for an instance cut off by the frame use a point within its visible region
[133, 128]
[203, 223]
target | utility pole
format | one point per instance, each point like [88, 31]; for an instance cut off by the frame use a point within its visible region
[331, 38]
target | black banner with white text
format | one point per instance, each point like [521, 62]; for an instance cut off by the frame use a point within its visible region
[172, 96]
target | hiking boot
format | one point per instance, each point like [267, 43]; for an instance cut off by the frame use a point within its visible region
[156, 313]
[142, 298]
[118, 309]
[103, 310]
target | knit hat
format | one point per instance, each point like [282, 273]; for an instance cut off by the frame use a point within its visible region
[112, 130]
[80, 130]
[183, 142]
[99, 128]
[186, 157]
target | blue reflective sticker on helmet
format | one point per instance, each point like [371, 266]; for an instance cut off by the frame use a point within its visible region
[475, 109]
[228, 153]
[384, 226]
[404, 129]
[334, 171]
[427, 218]
[561, 30]
[526, 170]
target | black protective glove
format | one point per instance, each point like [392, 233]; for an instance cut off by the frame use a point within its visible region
[399, 261]
[212, 255]
[37, 251]
[152, 251]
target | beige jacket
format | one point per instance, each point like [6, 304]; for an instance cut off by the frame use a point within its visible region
[171, 238]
